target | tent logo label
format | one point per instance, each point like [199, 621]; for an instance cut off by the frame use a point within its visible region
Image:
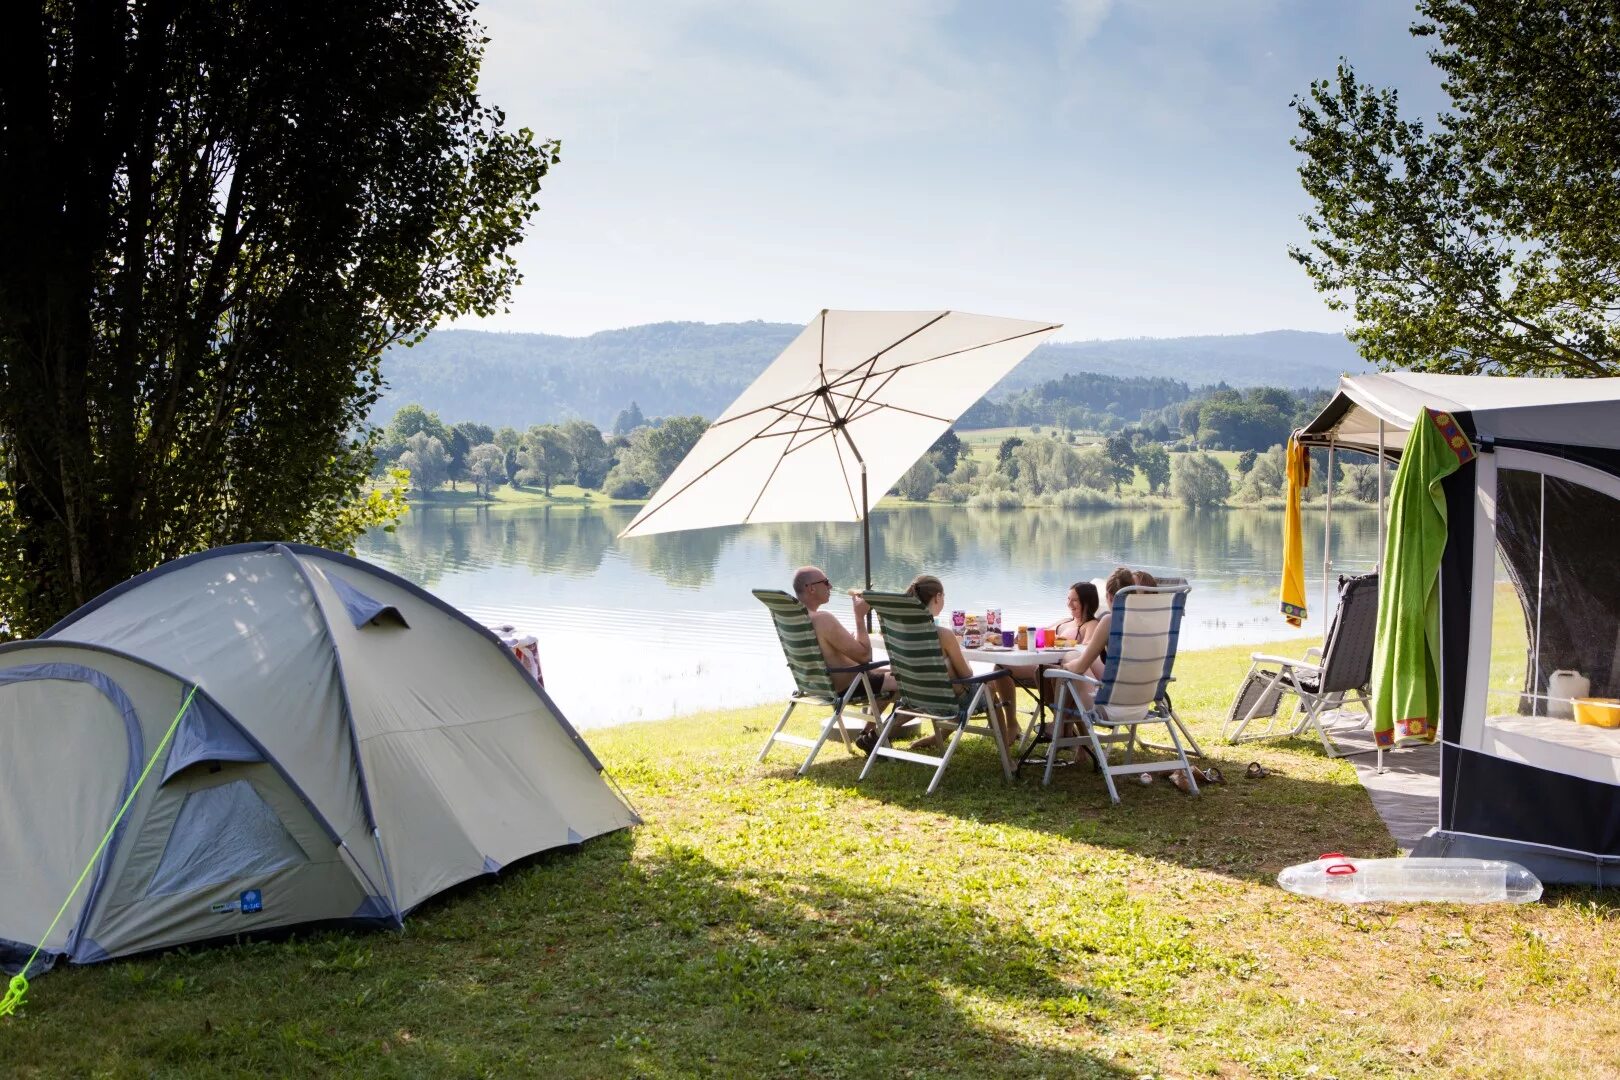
[250, 901]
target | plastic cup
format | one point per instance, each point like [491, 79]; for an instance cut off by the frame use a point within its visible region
[1007, 637]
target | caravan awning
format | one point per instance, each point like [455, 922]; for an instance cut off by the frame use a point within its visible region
[1584, 412]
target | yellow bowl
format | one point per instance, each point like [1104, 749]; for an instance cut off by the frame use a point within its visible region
[1598, 711]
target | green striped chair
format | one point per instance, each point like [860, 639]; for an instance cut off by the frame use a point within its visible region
[927, 691]
[812, 678]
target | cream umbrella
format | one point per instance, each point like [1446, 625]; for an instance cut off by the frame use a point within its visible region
[838, 418]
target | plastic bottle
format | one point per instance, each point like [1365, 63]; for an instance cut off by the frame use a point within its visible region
[1452, 881]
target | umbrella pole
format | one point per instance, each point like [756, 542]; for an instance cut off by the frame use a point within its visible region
[866, 527]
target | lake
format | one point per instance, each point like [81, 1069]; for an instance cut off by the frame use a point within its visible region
[675, 611]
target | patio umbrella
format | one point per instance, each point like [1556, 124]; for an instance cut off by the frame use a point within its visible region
[836, 420]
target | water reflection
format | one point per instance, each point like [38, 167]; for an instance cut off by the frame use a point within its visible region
[698, 640]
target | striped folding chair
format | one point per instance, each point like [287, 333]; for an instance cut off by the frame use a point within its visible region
[1133, 692]
[812, 678]
[927, 690]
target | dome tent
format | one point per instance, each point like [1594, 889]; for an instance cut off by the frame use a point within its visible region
[353, 746]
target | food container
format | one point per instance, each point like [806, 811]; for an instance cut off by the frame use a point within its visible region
[1563, 686]
[1598, 711]
[958, 622]
[972, 632]
[992, 620]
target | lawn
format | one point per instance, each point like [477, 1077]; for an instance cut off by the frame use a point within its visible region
[760, 924]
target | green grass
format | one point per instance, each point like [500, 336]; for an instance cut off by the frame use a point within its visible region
[760, 924]
[507, 496]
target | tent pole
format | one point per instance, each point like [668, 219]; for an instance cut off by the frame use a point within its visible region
[1378, 564]
[1327, 529]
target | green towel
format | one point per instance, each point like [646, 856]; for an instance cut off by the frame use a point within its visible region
[1406, 657]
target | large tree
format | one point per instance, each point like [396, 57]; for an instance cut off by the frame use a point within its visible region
[216, 217]
[1489, 242]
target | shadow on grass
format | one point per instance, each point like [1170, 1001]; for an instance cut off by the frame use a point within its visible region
[1245, 829]
[600, 964]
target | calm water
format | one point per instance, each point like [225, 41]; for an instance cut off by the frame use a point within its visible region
[664, 625]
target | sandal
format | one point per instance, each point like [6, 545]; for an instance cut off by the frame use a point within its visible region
[866, 741]
[1182, 782]
[1210, 775]
[1257, 771]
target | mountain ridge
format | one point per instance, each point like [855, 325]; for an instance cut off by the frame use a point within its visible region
[678, 368]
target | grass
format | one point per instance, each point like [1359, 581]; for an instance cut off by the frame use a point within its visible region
[760, 924]
[507, 496]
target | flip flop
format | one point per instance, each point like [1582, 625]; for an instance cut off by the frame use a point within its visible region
[1257, 771]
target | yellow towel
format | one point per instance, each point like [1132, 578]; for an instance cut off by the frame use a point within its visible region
[1293, 579]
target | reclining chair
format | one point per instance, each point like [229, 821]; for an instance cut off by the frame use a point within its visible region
[813, 679]
[927, 691]
[1343, 667]
[1133, 692]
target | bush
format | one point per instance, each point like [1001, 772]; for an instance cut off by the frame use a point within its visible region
[997, 500]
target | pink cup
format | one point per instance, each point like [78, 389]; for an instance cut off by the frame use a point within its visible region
[1040, 638]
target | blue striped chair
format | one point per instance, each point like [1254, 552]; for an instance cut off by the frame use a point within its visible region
[1134, 691]
[812, 678]
[927, 690]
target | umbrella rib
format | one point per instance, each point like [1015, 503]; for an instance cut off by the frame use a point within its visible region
[803, 418]
[733, 452]
[843, 471]
[946, 356]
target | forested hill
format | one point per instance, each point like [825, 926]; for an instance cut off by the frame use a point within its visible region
[673, 369]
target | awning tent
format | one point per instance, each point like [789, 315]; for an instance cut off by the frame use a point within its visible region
[1519, 779]
[348, 746]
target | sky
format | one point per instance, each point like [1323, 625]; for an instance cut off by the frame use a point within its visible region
[1120, 166]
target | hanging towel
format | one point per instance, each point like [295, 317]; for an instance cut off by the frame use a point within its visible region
[1293, 580]
[1406, 655]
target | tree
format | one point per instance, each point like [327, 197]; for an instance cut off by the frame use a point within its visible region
[919, 480]
[1006, 459]
[651, 454]
[1121, 459]
[1200, 481]
[545, 456]
[628, 420]
[217, 217]
[457, 448]
[591, 457]
[1491, 241]
[1154, 462]
[426, 459]
[413, 418]
[486, 467]
[945, 452]
[1245, 461]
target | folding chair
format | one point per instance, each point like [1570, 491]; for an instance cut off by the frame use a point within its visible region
[927, 690]
[813, 679]
[1343, 668]
[1040, 733]
[1133, 692]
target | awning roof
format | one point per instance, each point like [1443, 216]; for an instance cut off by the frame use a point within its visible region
[1582, 412]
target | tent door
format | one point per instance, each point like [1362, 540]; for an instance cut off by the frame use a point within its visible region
[65, 767]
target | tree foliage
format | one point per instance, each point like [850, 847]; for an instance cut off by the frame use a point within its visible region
[1200, 481]
[545, 457]
[217, 217]
[1489, 241]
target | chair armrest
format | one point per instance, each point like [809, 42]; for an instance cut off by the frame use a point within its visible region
[974, 680]
[1314, 650]
[1065, 673]
[870, 665]
[1285, 661]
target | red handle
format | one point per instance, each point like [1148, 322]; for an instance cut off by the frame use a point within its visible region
[1340, 868]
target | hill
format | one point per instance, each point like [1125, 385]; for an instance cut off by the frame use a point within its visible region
[682, 368]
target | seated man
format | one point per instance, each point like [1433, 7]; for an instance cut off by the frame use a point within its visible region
[839, 647]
